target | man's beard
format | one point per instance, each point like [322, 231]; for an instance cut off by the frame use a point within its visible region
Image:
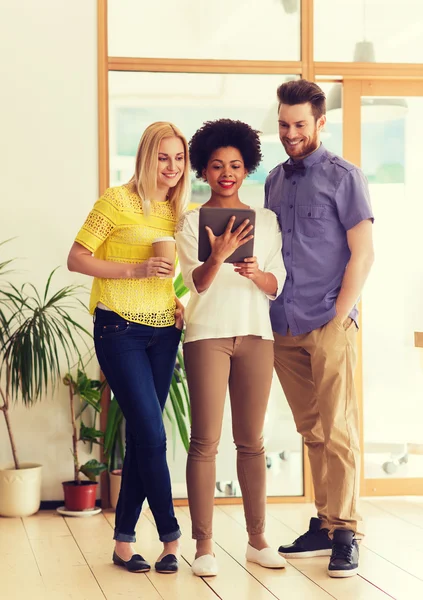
[306, 148]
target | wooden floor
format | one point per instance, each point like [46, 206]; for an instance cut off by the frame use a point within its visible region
[48, 557]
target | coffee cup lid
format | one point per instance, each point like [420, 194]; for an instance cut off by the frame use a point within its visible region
[164, 239]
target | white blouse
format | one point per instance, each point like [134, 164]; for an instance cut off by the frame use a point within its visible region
[233, 305]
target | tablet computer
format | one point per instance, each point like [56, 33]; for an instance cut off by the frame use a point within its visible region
[217, 219]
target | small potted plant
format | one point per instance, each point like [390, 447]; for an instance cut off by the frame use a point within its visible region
[80, 494]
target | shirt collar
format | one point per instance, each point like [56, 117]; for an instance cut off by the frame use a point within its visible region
[312, 158]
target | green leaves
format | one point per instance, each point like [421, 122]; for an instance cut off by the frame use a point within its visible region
[89, 390]
[92, 469]
[90, 434]
[36, 334]
[179, 287]
[113, 442]
[4, 264]
[179, 400]
[179, 412]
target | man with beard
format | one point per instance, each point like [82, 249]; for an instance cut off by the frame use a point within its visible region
[323, 206]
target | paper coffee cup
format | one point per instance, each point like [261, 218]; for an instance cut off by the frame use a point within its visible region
[166, 247]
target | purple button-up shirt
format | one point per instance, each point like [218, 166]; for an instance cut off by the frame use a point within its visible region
[315, 210]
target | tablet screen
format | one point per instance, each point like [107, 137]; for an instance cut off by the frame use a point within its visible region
[217, 219]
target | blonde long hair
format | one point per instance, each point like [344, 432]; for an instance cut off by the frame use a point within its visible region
[144, 180]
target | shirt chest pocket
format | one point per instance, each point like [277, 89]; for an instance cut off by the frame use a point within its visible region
[310, 220]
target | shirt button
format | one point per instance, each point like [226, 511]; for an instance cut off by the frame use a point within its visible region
[291, 206]
[289, 230]
[289, 301]
[294, 183]
[288, 254]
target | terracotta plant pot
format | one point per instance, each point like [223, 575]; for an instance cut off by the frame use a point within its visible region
[115, 481]
[20, 490]
[80, 496]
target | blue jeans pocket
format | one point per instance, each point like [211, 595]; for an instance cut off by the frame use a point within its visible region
[111, 329]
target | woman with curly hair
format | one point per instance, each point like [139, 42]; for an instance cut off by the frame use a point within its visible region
[228, 337]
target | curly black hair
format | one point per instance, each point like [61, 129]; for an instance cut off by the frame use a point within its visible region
[221, 134]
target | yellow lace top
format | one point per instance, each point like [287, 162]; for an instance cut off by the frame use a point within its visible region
[116, 229]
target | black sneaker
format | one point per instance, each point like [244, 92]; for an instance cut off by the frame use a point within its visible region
[344, 558]
[315, 542]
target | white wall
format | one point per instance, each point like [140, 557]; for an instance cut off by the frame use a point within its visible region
[48, 175]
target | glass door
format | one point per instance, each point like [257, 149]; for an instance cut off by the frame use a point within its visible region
[383, 132]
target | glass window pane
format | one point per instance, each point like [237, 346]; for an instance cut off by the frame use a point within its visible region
[368, 30]
[188, 99]
[332, 134]
[135, 101]
[392, 298]
[265, 30]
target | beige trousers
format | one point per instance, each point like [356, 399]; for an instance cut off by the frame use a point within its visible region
[246, 363]
[316, 371]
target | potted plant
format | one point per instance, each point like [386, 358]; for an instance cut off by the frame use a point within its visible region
[35, 331]
[80, 494]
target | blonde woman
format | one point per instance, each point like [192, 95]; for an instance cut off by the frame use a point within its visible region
[137, 326]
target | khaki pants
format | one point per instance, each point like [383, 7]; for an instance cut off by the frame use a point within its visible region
[246, 363]
[316, 371]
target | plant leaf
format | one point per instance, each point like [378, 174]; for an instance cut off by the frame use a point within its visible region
[178, 285]
[113, 443]
[92, 469]
[40, 331]
[182, 427]
[89, 434]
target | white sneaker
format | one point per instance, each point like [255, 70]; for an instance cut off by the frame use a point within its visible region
[205, 566]
[268, 557]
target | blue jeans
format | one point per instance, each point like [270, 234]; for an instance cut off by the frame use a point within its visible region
[138, 362]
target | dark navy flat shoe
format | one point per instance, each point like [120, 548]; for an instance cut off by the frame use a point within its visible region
[136, 564]
[168, 564]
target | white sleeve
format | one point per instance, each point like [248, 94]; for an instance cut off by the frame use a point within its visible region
[274, 262]
[187, 248]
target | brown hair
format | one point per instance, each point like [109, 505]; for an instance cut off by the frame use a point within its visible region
[302, 91]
